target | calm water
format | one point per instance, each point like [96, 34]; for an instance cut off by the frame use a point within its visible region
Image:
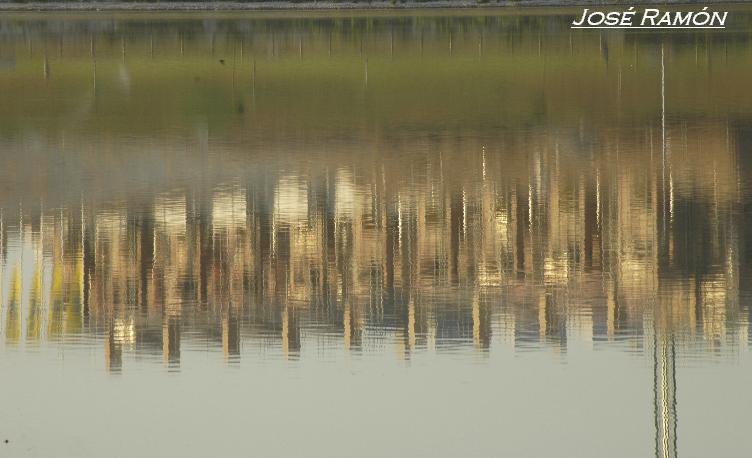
[465, 234]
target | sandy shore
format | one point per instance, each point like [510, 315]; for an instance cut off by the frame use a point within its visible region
[322, 5]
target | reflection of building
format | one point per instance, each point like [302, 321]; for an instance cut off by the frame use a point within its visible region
[533, 253]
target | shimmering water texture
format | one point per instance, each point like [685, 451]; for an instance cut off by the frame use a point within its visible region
[372, 234]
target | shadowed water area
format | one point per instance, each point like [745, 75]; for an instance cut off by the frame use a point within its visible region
[373, 234]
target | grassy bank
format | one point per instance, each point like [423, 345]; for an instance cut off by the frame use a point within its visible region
[141, 76]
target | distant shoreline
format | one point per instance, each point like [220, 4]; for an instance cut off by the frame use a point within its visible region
[326, 5]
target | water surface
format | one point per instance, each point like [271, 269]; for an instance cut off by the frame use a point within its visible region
[373, 234]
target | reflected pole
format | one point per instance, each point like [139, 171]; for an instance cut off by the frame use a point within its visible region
[664, 352]
[663, 139]
[664, 395]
